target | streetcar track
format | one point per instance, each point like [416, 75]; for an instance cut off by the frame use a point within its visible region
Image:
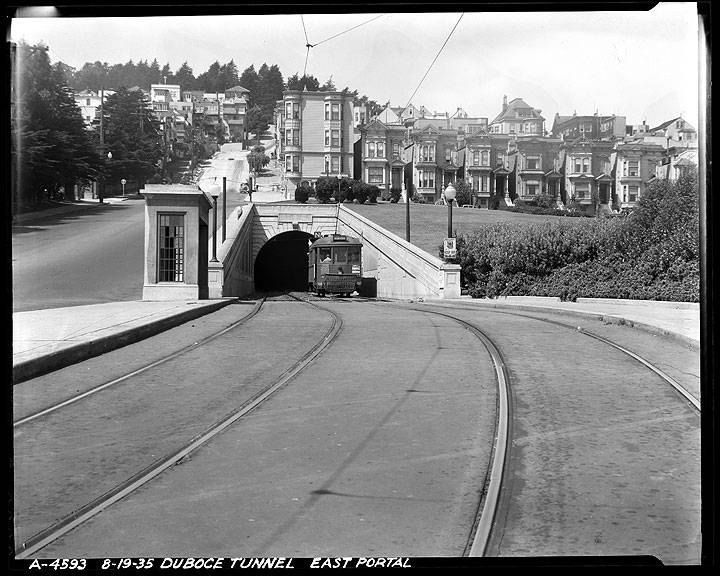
[99, 388]
[480, 533]
[679, 388]
[91, 509]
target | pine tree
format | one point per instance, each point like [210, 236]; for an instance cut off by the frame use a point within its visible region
[249, 79]
[51, 148]
[184, 76]
[132, 134]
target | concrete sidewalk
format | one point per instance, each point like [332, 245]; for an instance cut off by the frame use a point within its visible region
[680, 320]
[46, 340]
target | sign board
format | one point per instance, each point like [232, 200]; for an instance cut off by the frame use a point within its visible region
[449, 248]
[123, 181]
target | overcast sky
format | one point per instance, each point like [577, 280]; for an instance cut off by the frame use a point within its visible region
[643, 65]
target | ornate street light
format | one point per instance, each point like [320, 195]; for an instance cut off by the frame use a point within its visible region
[450, 193]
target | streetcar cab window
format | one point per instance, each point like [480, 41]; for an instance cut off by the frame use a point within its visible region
[324, 254]
[341, 255]
[354, 256]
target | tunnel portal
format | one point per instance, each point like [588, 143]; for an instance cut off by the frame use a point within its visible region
[282, 263]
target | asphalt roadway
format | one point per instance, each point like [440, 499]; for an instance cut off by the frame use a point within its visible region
[379, 447]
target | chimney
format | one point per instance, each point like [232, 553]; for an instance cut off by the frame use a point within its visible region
[504, 103]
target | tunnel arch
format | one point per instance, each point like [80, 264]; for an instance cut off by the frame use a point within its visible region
[282, 264]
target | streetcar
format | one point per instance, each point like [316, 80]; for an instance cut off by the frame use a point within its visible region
[335, 265]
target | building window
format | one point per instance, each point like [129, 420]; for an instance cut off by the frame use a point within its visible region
[335, 164]
[582, 190]
[396, 150]
[532, 187]
[427, 153]
[532, 163]
[448, 153]
[87, 102]
[485, 158]
[375, 175]
[578, 166]
[586, 165]
[476, 158]
[288, 137]
[427, 178]
[371, 149]
[381, 149]
[633, 166]
[476, 182]
[335, 138]
[335, 112]
[484, 184]
[288, 110]
[296, 111]
[171, 255]
[633, 193]
[327, 111]
[327, 137]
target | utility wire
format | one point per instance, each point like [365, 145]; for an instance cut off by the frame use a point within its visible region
[434, 60]
[348, 30]
[307, 42]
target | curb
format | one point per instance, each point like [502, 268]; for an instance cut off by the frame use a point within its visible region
[605, 318]
[85, 350]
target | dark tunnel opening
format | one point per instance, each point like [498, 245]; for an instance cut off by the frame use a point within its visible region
[282, 263]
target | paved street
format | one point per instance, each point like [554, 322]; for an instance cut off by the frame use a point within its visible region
[379, 447]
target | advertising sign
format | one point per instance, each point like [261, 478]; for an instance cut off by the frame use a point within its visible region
[449, 248]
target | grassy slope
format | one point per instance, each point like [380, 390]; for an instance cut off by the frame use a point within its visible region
[428, 223]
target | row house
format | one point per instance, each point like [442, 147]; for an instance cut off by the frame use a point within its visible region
[379, 155]
[435, 161]
[678, 163]
[635, 164]
[593, 127]
[316, 135]
[586, 166]
[485, 166]
[518, 118]
[677, 132]
[533, 167]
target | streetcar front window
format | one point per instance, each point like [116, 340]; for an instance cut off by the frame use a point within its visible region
[324, 254]
[341, 255]
[354, 256]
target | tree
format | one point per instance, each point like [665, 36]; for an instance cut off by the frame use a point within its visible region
[464, 192]
[308, 82]
[269, 89]
[51, 149]
[208, 81]
[257, 122]
[227, 76]
[185, 77]
[132, 134]
[257, 159]
[329, 86]
[249, 79]
[325, 188]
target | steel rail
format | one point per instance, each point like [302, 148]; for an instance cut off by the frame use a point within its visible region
[679, 388]
[83, 514]
[162, 360]
[490, 495]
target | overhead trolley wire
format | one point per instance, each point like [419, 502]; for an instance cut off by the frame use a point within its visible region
[434, 60]
[307, 41]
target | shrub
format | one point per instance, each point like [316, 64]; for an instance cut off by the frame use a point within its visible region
[325, 188]
[372, 194]
[360, 192]
[302, 193]
[346, 193]
[395, 194]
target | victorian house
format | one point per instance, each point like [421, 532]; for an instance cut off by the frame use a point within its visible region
[635, 164]
[378, 155]
[518, 118]
[485, 159]
[316, 135]
[435, 161]
[533, 165]
[587, 173]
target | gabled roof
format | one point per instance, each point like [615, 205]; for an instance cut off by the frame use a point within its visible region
[237, 88]
[509, 112]
[664, 124]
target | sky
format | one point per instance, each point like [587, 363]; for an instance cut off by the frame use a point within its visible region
[641, 65]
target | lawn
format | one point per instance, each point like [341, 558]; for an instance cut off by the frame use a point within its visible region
[428, 223]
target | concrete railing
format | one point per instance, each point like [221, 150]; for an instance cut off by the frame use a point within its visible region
[232, 274]
[402, 269]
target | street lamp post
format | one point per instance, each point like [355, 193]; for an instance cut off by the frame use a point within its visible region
[450, 196]
[102, 186]
[224, 207]
[123, 182]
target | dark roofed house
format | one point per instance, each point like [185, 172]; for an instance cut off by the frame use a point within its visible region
[517, 117]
